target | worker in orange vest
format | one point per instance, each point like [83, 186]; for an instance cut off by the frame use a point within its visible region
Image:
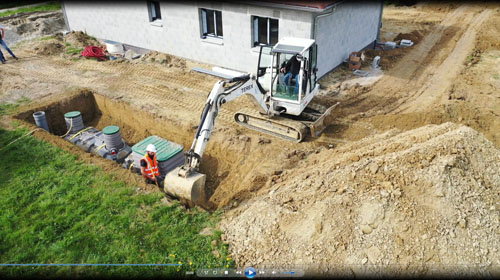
[149, 167]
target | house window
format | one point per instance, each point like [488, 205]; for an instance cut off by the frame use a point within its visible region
[265, 31]
[154, 10]
[211, 23]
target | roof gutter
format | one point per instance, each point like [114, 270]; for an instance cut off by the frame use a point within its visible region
[332, 8]
[284, 6]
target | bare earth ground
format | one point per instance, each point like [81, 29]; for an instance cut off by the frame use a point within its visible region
[406, 176]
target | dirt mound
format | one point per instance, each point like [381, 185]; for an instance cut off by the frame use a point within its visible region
[424, 200]
[80, 40]
[48, 48]
[415, 36]
[164, 58]
[32, 25]
[487, 37]
[388, 58]
[55, 44]
[50, 45]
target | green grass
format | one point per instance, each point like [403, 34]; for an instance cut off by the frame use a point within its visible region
[73, 50]
[47, 38]
[8, 108]
[90, 37]
[18, 3]
[52, 6]
[56, 209]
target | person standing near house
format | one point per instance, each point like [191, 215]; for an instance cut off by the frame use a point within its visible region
[149, 167]
[292, 69]
[2, 58]
[2, 42]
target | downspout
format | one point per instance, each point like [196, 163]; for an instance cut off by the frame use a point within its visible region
[379, 22]
[317, 17]
[314, 32]
[65, 16]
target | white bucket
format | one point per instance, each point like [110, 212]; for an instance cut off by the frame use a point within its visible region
[114, 47]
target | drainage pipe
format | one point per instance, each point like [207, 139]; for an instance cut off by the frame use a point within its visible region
[40, 120]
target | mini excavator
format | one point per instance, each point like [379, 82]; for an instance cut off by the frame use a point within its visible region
[284, 109]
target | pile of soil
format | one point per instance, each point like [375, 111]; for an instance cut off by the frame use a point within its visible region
[56, 45]
[42, 24]
[48, 48]
[45, 46]
[388, 58]
[487, 37]
[79, 39]
[425, 200]
[415, 36]
[163, 58]
[31, 25]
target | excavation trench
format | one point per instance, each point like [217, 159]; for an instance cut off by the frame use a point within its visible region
[100, 111]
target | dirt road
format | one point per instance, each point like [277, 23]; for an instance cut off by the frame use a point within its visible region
[418, 89]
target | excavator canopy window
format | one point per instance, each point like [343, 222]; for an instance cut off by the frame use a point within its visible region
[265, 68]
[285, 85]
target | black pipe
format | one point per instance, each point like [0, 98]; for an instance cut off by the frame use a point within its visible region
[203, 117]
[240, 78]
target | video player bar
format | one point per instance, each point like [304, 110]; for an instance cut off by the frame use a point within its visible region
[249, 272]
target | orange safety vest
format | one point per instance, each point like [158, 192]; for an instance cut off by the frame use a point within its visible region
[152, 170]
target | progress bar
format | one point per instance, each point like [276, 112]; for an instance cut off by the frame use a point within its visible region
[89, 264]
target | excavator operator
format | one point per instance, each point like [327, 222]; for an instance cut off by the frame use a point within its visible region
[291, 68]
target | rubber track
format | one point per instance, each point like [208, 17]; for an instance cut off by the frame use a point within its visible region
[294, 125]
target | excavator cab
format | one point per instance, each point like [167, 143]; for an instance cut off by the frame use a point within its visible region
[290, 93]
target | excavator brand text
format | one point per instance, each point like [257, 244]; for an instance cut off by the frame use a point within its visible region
[249, 87]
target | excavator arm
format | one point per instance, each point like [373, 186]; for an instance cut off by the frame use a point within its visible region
[219, 95]
[185, 182]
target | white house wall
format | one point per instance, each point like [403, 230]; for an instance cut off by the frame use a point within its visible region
[351, 27]
[180, 34]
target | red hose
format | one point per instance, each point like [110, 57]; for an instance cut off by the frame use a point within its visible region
[93, 51]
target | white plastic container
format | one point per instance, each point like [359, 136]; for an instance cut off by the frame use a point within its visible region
[114, 47]
[406, 43]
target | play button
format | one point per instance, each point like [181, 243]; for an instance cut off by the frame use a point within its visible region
[250, 272]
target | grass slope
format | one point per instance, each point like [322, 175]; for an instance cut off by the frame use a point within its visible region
[56, 209]
[52, 6]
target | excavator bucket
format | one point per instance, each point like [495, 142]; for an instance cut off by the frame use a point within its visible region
[189, 189]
